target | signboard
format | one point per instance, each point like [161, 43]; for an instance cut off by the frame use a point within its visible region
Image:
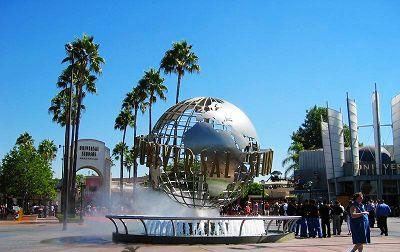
[387, 169]
[154, 154]
[93, 154]
[88, 152]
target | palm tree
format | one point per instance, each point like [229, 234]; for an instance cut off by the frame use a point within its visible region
[129, 161]
[85, 63]
[179, 59]
[123, 120]
[59, 107]
[117, 152]
[134, 100]
[291, 162]
[47, 149]
[152, 83]
[25, 139]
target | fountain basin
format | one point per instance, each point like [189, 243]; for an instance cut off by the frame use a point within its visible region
[202, 230]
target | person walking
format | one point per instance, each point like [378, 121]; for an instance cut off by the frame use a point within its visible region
[370, 207]
[247, 210]
[347, 216]
[2, 212]
[337, 212]
[382, 212]
[325, 214]
[283, 208]
[342, 214]
[301, 224]
[307, 209]
[291, 211]
[314, 219]
[266, 208]
[255, 208]
[360, 231]
[275, 209]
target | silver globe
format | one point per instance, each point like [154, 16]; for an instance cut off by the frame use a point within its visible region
[217, 127]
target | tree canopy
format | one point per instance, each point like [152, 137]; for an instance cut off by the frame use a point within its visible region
[24, 139]
[47, 149]
[25, 173]
[152, 84]
[309, 133]
[253, 189]
[308, 137]
[180, 59]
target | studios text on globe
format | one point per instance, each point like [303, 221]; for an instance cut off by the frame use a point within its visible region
[154, 154]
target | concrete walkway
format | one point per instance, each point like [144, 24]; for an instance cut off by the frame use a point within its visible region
[95, 236]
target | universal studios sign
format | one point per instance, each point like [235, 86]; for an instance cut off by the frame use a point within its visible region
[89, 152]
[153, 154]
[370, 168]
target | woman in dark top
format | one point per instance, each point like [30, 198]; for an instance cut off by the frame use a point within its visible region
[359, 224]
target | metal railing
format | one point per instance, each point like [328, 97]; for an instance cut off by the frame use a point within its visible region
[287, 223]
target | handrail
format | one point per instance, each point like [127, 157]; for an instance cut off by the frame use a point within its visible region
[288, 221]
[153, 217]
[126, 228]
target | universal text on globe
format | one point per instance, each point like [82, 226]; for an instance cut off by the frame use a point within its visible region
[155, 154]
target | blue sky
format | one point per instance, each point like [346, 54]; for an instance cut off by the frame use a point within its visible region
[272, 59]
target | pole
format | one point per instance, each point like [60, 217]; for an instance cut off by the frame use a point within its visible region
[378, 141]
[62, 172]
[81, 213]
[263, 199]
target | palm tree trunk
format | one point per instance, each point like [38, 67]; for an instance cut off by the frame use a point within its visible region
[77, 123]
[65, 183]
[71, 196]
[134, 146]
[150, 116]
[67, 154]
[121, 175]
[149, 137]
[178, 86]
[70, 170]
[176, 102]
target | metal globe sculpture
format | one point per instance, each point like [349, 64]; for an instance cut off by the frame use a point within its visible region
[220, 137]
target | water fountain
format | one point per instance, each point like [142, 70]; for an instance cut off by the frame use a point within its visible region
[202, 153]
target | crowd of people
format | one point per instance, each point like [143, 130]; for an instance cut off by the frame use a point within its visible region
[9, 212]
[317, 216]
[318, 219]
[42, 210]
[3, 211]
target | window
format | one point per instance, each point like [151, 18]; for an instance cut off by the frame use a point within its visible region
[389, 186]
[348, 188]
[368, 187]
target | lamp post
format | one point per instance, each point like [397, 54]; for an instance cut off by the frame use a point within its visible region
[263, 196]
[62, 161]
[62, 171]
[309, 185]
[82, 187]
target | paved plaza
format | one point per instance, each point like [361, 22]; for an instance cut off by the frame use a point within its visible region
[95, 235]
